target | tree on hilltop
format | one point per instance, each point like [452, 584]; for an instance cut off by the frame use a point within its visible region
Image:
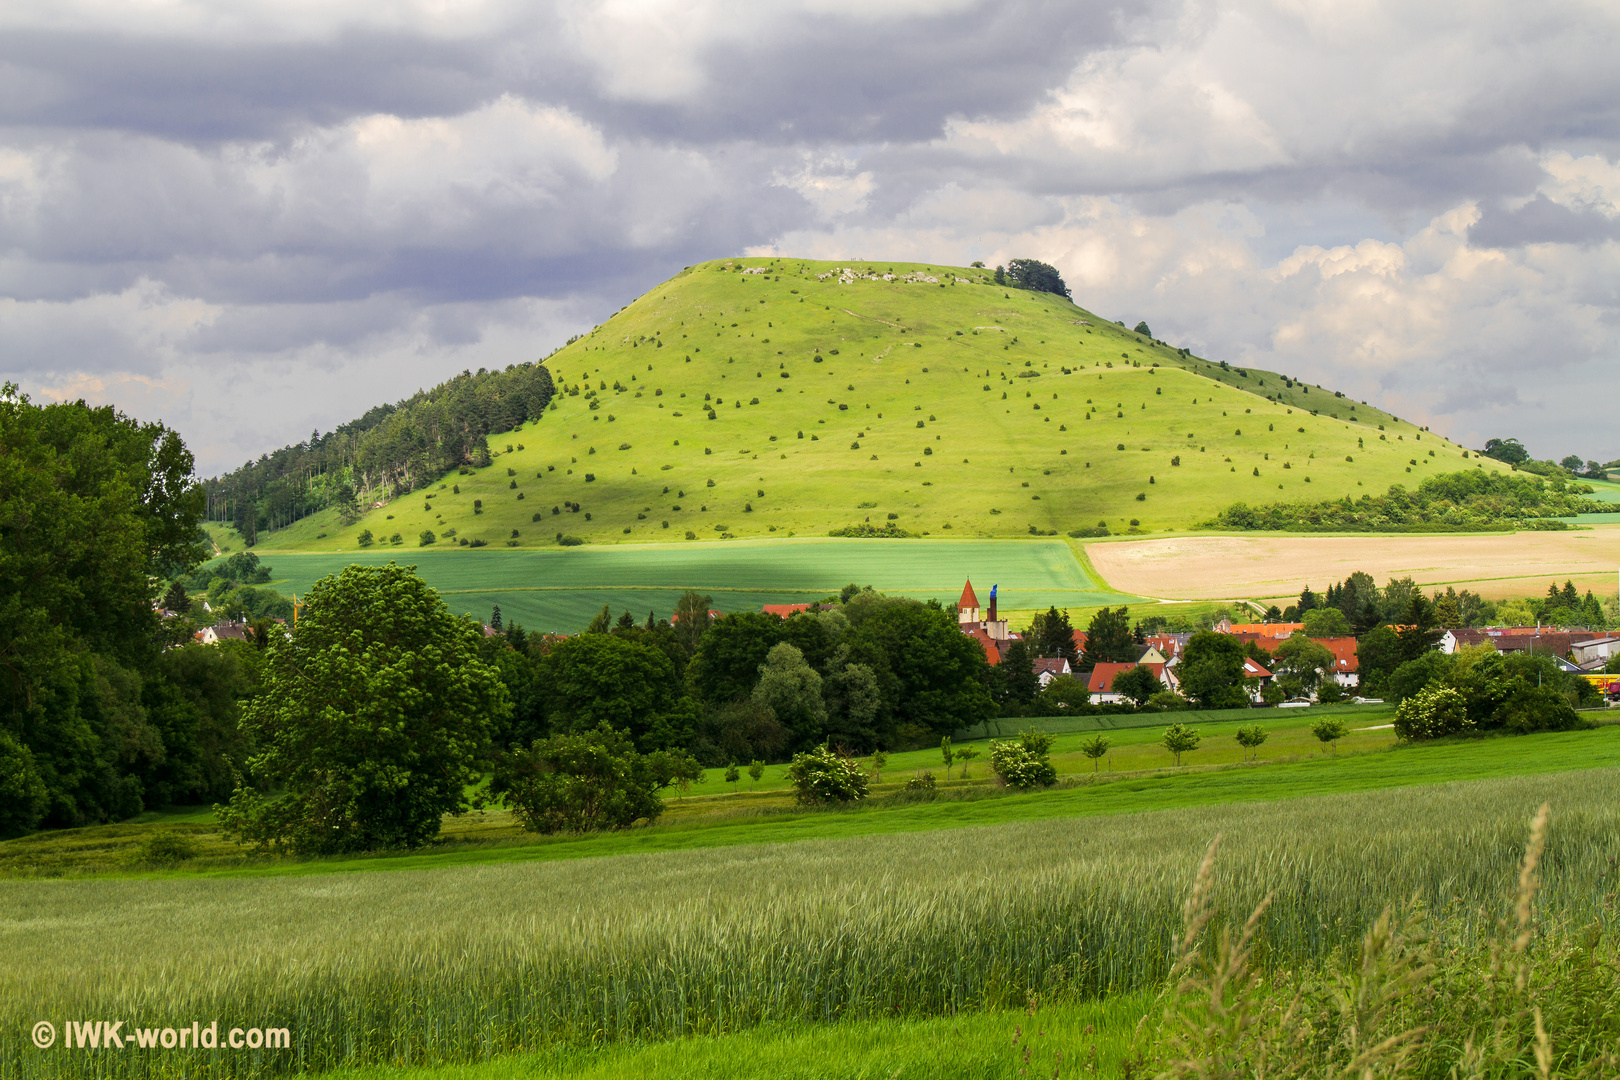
[1036, 276]
[1508, 450]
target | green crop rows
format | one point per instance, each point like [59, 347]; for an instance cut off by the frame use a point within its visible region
[562, 589]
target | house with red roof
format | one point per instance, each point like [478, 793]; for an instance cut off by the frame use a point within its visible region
[786, 611]
[1346, 666]
[992, 647]
[1101, 680]
[1264, 629]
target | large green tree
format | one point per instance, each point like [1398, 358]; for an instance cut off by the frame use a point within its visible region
[1306, 660]
[729, 654]
[1378, 654]
[1109, 639]
[931, 674]
[588, 780]
[1211, 670]
[1052, 634]
[791, 688]
[611, 679]
[372, 719]
[96, 511]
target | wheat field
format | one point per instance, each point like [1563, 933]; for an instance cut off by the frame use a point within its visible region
[471, 962]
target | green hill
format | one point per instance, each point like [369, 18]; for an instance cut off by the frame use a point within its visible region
[759, 397]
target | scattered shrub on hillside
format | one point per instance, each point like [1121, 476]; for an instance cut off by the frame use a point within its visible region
[867, 529]
[365, 538]
[426, 538]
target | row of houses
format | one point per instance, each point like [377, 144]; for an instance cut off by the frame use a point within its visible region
[1575, 647]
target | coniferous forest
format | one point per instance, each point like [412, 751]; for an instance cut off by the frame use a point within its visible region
[390, 450]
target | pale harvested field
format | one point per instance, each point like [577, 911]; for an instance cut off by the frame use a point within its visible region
[1274, 567]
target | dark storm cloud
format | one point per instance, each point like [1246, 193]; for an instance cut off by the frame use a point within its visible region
[1542, 221]
[347, 192]
[192, 90]
[808, 77]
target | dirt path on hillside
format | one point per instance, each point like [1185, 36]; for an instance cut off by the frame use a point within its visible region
[1273, 567]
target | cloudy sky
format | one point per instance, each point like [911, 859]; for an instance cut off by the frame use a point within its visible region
[251, 220]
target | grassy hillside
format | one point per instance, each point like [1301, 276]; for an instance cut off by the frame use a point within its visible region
[919, 395]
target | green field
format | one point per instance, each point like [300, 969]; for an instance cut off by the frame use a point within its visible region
[1136, 777]
[447, 962]
[948, 408]
[562, 589]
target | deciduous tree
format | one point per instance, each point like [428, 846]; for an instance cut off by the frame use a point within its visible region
[371, 720]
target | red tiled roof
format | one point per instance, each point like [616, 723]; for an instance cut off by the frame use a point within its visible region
[1524, 639]
[1055, 664]
[1167, 644]
[1101, 680]
[970, 599]
[1274, 629]
[784, 611]
[1252, 670]
[992, 651]
[1343, 650]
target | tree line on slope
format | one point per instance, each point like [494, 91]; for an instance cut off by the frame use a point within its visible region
[389, 451]
[1513, 452]
[1452, 502]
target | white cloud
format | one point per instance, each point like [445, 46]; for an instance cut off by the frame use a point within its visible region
[1419, 203]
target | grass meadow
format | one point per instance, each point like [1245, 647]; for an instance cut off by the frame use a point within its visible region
[466, 963]
[712, 815]
[953, 407]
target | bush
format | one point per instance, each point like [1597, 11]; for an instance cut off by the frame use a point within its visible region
[569, 541]
[1025, 763]
[426, 538]
[823, 775]
[1329, 692]
[922, 781]
[589, 781]
[1432, 712]
[1168, 699]
[166, 848]
[1537, 708]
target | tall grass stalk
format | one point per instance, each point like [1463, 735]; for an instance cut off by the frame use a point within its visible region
[466, 963]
